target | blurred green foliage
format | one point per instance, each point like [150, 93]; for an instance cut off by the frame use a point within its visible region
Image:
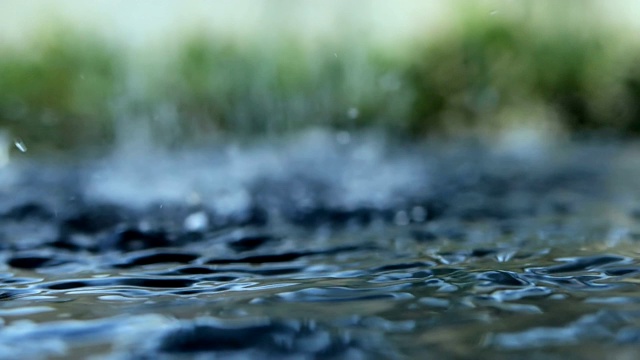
[56, 91]
[70, 90]
[491, 63]
[277, 87]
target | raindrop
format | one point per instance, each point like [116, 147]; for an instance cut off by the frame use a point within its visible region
[4, 149]
[197, 221]
[353, 113]
[418, 214]
[20, 145]
[401, 218]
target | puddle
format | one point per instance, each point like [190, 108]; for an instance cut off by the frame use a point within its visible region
[349, 252]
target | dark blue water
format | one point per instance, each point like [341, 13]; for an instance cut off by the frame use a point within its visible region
[323, 251]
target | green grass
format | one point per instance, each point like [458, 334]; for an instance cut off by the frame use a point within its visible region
[56, 92]
[576, 68]
[529, 65]
[217, 86]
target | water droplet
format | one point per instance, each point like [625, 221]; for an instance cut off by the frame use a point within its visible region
[4, 149]
[20, 145]
[493, 12]
[401, 218]
[418, 214]
[197, 221]
[353, 113]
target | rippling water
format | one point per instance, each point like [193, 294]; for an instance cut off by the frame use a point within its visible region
[321, 248]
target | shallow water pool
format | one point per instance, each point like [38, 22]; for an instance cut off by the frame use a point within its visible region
[357, 251]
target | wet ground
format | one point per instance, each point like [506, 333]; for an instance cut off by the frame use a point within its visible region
[324, 249]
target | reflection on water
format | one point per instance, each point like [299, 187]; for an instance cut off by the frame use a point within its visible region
[328, 251]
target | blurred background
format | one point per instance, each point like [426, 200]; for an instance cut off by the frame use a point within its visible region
[79, 77]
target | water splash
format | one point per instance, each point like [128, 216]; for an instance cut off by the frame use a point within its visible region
[336, 249]
[317, 169]
[20, 145]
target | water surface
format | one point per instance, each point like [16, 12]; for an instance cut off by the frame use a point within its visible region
[318, 248]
